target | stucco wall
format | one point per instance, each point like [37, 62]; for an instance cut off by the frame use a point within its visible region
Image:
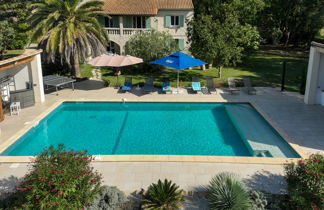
[158, 23]
[320, 78]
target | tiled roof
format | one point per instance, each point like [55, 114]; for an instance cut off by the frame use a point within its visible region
[143, 7]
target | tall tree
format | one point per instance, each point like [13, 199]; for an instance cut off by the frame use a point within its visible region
[15, 12]
[222, 33]
[291, 22]
[7, 36]
[70, 30]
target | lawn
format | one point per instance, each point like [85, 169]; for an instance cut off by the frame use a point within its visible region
[12, 53]
[264, 67]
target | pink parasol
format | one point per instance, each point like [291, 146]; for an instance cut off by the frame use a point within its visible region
[115, 60]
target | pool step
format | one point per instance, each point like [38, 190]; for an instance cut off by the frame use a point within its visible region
[261, 137]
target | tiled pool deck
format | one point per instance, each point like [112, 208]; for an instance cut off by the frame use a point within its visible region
[302, 123]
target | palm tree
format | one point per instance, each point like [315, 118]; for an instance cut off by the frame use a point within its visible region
[69, 29]
[163, 196]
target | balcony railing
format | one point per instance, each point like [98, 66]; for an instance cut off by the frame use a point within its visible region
[126, 31]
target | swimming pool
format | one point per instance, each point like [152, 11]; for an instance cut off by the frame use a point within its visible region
[134, 128]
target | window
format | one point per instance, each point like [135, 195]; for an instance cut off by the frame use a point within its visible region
[139, 22]
[180, 43]
[112, 22]
[175, 20]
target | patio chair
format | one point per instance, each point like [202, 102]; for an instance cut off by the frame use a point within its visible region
[196, 86]
[248, 86]
[232, 85]
[166, 87]
[148, 86]
[210, 84]
[128, 84]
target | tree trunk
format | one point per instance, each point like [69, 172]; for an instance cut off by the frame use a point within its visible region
[220, 71]
[1, 109]
[76, 67]
[287, 38]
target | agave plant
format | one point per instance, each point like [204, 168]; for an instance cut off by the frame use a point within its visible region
[226, 191]
[163, 196]
[69, 30]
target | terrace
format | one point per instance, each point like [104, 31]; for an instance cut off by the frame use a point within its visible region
[286, 111]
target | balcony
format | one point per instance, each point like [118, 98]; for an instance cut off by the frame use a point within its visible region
[125, 31]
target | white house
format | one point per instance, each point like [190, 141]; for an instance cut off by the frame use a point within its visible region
[314, 93]
[21, 79]
[131, 16]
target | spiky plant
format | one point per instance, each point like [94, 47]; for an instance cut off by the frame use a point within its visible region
[163, 196]
[69, 29]
[226, 191]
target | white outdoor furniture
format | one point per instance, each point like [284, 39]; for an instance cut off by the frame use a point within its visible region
[15, 108]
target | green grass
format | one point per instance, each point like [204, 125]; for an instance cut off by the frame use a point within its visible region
[12, 53]
[265, 68]
[86, 70]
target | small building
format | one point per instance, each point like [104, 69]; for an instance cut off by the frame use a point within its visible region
[128, 17]
[21, 79]
[314, 93]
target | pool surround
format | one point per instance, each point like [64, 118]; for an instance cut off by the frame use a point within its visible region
[160, 158]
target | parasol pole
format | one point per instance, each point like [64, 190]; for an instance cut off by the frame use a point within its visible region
[1, 110]
[178, 81]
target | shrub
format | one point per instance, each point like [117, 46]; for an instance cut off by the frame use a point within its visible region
[59, 179]
[109, 198]
[306, 182]
[259, 201]
[226, 191]
[163, 196]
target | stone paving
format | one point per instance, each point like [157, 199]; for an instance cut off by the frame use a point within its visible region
[303, 124]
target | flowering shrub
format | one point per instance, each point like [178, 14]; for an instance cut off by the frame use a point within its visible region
[60, 180]
[306, 183]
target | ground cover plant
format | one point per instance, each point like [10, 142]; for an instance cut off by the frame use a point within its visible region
[58, 179]
[306, 183]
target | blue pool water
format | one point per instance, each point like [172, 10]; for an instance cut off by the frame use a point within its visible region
[142, 128]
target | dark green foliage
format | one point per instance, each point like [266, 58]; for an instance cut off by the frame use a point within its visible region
[306, 182]
[16, 13]
[7, 36]
[222, 33]
[163, 196]
[109, 198]
[291, 22]
[226, 191]
[60, 179]
[13, 200]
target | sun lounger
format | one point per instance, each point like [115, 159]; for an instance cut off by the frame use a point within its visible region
[196, 86]
[232, 85]
[210, 85]
[166, 87]
[248, 86]
[128, 84]
[149, 86]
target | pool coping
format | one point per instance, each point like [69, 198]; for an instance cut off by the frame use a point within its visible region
[160, 158]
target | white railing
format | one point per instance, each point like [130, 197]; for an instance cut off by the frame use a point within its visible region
[113, 31]
[125, 31]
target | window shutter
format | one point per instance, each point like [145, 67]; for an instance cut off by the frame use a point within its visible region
[167, 21]
[181, 44]
[148, 22]
[101, 20]
[115, 20]
[128, 22]
[181, 20]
